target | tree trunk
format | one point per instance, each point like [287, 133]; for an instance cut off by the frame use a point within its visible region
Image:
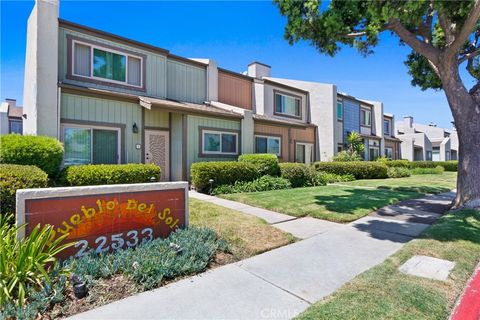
[466, 113]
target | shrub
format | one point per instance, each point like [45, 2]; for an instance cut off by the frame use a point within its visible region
[436, 170]
[222, 172]
[398, 172]
[328, 177]
[85, 175]
[41, 151]
[14, 177]
[264, 183]
[298, 174]
[25, 263]
[359, 169]
[150, 270]
[396, 163]
[451, 165]
[267, 164]
[344, 156]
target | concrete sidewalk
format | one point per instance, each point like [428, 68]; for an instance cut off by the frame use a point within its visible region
[283, 282]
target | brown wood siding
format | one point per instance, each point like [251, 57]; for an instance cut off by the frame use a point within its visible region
[288, 135]
[395, 148]
[234, 90]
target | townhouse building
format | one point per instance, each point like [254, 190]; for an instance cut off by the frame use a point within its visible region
[426, 142]
[110, 99]
[11, 117]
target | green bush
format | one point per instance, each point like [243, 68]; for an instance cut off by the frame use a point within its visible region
[451, 165]
[267, 164]
[398, 172]
[328, 177]
[26, 263]
[86, 175]
[152, 263]
[264, 183]
[14, 177]
[41, 151]
[222, 172]
[436, 170]
[359, 169]
[395, 163]
[344, 156]
[447, 165]
[298, 174]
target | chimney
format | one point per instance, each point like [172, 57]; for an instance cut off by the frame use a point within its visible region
[432, 124]
[408, 121]
[11, 102]
[259, 70]
[41, 70]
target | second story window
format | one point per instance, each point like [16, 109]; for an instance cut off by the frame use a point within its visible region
[386, 127]
[95, 62]
[339, 110]
[287, 105]
[365, 117]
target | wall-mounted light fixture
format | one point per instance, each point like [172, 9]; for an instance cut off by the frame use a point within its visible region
[135, 128]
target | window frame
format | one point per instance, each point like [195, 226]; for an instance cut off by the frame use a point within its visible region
[107, 48]
[339, 101]
[363, 109]
[286, 94]
[10, 121]
[92, 127]
[391, 152]
[279, 138]
[389, 133]
[220, 132]
[305, 144]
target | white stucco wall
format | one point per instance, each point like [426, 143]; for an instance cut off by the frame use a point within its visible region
[41, 70]
[4, 118]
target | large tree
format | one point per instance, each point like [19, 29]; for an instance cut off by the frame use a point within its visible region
[443, 36]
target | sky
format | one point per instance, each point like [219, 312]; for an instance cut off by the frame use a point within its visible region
[234, 34]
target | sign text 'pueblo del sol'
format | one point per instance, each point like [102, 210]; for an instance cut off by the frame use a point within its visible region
[105, 218]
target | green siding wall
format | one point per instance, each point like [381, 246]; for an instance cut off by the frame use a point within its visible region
[176, 135]
[92, 109]
[193, 124]
[186, 82]
[155, 66]
[156, 118]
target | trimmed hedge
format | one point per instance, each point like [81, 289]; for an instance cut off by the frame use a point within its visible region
[297, 173]
[221, 172]
[451, 165]
[436, 170]
[14, 177]
[267, 164]
[398, 172]
[41, 151]
[359, 169]
[86, 175]
[265, 183]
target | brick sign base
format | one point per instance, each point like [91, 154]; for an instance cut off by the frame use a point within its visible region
[105, 218]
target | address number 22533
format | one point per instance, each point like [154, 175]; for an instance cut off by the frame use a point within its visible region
[115, 241]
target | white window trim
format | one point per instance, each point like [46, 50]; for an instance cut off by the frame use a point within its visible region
[126, 55]
[365, 117]
[271, 137]
[284, 113]
[220, 133]
[81, 126]
[389, 127]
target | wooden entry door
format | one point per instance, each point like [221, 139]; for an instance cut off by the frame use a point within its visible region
[157, 151]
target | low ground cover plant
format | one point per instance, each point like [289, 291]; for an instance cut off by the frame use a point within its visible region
[267, 164]
[436, 170]
[398, 172]
[359, 169]
[41, 151]
[221, 173]
[14, 177]
[264, 183]
[85, 175]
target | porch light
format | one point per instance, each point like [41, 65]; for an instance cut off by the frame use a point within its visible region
[135, 128]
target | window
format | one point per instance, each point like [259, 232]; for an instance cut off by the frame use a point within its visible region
[95, 62]
[304, 153]
[16, 126]
[339, 147]
[287, 105]
[365, 117]
[216, 142]
[389, 153]
[373, 149]
[386, 127]
[85, 145]
[265, 144]
[339, 110]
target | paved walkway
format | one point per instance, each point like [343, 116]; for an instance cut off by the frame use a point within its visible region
[281, 283]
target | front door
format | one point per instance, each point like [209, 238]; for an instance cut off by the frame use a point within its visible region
[157, 151]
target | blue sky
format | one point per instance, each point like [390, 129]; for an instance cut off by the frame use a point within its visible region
[234, 34]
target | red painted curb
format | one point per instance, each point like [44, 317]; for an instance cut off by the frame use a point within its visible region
[469, 306]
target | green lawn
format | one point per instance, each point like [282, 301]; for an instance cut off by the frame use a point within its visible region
[384, 293]
[346, 201]
[246, 235]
